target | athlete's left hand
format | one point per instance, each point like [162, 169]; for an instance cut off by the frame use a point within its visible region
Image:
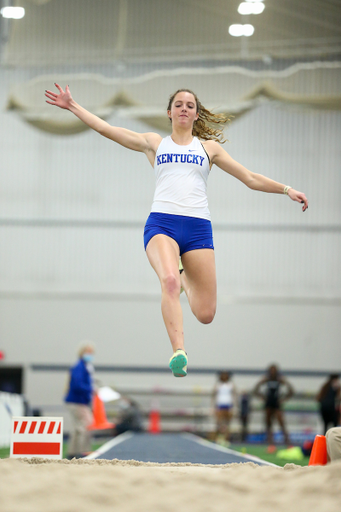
[299, 197]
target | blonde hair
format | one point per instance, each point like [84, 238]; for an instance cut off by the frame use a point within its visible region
[84, 346]
[208, 126]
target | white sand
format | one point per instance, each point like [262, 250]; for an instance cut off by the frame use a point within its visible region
[99, 485]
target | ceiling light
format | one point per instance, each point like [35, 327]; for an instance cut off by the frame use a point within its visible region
[251, 8]
[15, 13]
[238, 30]
[248, 30]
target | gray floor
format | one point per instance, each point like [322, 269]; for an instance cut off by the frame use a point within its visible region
[169, 448]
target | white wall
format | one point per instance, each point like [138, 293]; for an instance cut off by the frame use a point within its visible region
[279, 281]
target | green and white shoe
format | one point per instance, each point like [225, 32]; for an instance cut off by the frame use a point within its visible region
[178, 363]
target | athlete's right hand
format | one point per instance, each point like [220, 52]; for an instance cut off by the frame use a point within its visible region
[62, 100]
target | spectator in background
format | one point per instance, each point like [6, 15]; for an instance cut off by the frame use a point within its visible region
[273, 400]
[329, 400]
[224, 396]
[244, 408]
[333, 438]
[130, 417]
[79, 398]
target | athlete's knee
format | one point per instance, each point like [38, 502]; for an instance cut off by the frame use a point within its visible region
[206, 315]
[171, 284]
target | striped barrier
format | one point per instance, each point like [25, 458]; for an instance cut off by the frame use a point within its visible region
[37, 437]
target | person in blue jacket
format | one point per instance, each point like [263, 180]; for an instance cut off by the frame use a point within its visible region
[79, 399]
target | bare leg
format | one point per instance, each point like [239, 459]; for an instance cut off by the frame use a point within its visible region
[163, 254]
[280, 419]
[223, 417]
[268, 419]
[199, 282]
[220, 426]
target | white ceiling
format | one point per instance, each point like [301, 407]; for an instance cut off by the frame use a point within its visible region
[98, 31]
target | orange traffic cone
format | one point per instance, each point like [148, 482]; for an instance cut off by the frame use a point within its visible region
[154, 422]
[318, 455]
[100, 418]
[154, 426]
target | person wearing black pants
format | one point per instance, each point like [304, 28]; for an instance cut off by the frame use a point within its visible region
[329, 400]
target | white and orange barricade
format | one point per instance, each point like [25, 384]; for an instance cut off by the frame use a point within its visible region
[37, 437]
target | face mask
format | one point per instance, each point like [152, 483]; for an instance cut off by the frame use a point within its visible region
[88, 358]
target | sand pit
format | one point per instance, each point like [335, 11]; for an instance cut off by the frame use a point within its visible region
[100, 485]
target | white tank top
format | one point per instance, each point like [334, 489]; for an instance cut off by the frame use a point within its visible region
[181, 179]
[224, 394]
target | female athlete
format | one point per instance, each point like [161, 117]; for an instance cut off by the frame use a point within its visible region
[179, 224]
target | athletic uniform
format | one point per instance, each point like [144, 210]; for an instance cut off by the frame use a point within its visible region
[224, 396]
[272, 394]
[180, 205]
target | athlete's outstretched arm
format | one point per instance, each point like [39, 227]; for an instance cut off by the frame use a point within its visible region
[137, 141]
[254, 181]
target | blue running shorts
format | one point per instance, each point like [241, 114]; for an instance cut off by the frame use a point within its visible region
[190, 233]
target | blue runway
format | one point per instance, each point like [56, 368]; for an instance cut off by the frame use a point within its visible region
[165, 448]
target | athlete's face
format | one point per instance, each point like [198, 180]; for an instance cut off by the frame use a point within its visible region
[184, 109]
